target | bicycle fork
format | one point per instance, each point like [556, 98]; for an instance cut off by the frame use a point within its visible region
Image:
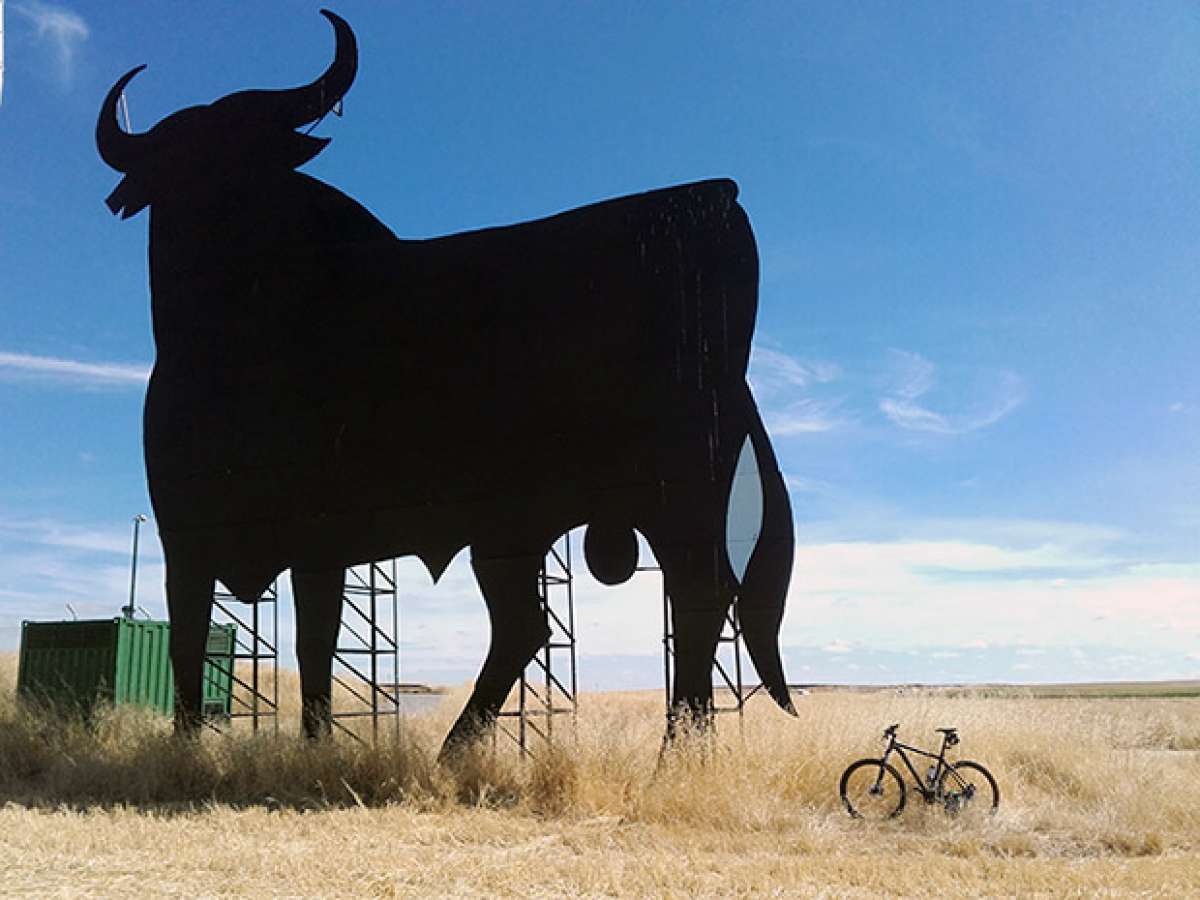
[877, 787]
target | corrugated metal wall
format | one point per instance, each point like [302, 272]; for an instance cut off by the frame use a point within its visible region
[72, 665]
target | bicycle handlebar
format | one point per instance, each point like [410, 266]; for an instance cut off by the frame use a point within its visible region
[890, 731]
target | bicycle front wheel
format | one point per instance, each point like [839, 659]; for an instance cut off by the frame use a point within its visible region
[968, 789]
[871, 789]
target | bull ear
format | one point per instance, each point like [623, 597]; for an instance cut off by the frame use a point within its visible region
[296, 149]
[276, 149]
[128, 198]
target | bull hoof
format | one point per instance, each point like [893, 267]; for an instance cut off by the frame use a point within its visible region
[316, 718]
[466, 736]
[187, 726]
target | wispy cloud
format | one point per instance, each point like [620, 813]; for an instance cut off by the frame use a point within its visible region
[998, 663]
[24, 367]
[59, 27]
[46, 532]
[51, 568]
[805, 416]
[772, 371]
[912, 374]
[784, 385]
[896, 593]
[853, 607]
[985, 399]
[804, 485]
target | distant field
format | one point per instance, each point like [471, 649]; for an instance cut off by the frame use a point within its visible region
[1104, 690]
[1099, 799]
[1094, 690]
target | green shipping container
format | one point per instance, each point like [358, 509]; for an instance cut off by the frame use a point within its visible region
[74, 665]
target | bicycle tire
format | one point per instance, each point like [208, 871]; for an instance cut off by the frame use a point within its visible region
[850, 796]
[986, 795]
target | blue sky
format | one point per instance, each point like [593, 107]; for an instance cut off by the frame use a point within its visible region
[975, 351]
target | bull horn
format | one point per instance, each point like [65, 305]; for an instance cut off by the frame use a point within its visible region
[299, 106]
[118, 148]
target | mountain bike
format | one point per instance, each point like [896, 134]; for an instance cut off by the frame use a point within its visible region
[874, 789]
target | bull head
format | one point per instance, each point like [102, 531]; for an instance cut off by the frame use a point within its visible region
[240, 135]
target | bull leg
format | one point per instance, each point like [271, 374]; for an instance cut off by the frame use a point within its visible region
[189, 607]
[700, 596]
[319, 599]
[519, 628]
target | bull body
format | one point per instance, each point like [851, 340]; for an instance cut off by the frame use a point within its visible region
[326, 394]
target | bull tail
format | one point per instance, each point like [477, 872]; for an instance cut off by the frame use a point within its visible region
[763, 562]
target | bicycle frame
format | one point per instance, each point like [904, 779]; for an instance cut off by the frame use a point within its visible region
[929, 792]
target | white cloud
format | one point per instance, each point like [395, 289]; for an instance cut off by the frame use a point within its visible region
[987, 398]
[37, 584]
[54, 570]
[783, 385]
[982, 595]
[49, 369]
[50, 533]
[797, 484]
[860, 602]
[804, 416]
[774, 372]
[913, 374]
[837, 647]
[63, 29]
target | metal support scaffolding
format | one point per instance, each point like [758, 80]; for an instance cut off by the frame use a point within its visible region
[366, 665]
[256, 681]
[549, 685]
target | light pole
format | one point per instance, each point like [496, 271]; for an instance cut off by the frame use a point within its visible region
[137, 523]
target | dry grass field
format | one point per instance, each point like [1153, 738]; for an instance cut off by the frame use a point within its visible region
[1101, 797]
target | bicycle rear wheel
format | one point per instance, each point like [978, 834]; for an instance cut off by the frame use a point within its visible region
[871, 789]
[969, 790]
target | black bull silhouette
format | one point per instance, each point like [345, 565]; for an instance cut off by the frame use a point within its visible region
[326, 394]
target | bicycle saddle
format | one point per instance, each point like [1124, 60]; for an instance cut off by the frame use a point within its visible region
[951, 736]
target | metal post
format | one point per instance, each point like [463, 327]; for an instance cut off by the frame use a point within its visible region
[547, 663]
[374, 664]
[668, 642]
[574, 659]
[522, 738]
[128, 610]
[736, 621]
[395, 654]
[254, 694]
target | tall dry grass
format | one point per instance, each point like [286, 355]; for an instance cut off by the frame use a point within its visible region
[1082, 782]
[1075, 775]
